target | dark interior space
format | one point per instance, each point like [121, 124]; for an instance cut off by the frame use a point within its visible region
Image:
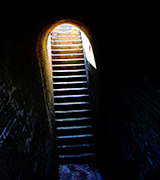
[125, 94]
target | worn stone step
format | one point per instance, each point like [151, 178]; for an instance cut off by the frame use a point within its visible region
[74, 130]
[65, 33]
[69, 82]
[75, 139]
[70, 91]
[66, 51]
[72, 113]
[72, 84]
[66, 37]
[69, 78]
[71, 106]
[77, 155]
[67, 66]
[66, 46]
[73, 127]
[68, 61]
[69, 72]
[65, 42]
[67, 56]
[76, 149]
[73, 121]
[71, 98]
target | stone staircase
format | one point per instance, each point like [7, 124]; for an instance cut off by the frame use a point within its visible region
[74, 131]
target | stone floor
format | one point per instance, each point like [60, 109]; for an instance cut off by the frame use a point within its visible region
[79, 172]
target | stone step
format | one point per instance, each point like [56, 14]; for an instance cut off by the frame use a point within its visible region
[74, 130]
[70, 91]
[67, 51]
[73, 127]
[71, 98]
[65, 42]
[68, 66]
[66, 46]
[67, 56]
[66, 37]
[69, 78]
[75, 139]
[68, 72]
[73, 106]
[72, 84]
[65, 33]
[72, 113]
[80, 121]
[68, 61]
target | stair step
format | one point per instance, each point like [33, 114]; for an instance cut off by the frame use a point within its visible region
[75, 139]
[72, 96]
[71, 37]
[66, 77]
[73, 119]
[73, 114]
[75, 136]
[76, 149]
[67, 122]
[74, 70]
[68, 61]
[65, 28]
[71, 82]
[66, 46]
[72, 54]
[76, 155]
[74, 130]
[66, 51]
[77, 145]
[71, 89]
[72, 111]
[67, 106]
[71, 103]
[67, 56]
[65, 42]
[66, 33]
[66, 65]
[73, 127]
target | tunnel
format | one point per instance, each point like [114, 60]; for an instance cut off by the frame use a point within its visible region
[124, 95]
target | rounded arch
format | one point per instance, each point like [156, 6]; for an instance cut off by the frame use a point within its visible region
[78, 24]
[43, 57]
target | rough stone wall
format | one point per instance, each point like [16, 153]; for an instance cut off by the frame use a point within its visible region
[26, 130]
[135, 111]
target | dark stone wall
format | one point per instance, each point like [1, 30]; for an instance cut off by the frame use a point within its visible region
[134, 107]
[124, 94]
[27, 135]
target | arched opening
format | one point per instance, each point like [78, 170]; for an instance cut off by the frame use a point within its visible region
[86, 45]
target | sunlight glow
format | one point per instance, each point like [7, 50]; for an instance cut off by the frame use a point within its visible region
[88, 50]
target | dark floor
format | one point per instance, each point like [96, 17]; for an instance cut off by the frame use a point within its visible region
[79, 172]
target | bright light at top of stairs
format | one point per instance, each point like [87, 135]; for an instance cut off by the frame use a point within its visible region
[87, 47]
